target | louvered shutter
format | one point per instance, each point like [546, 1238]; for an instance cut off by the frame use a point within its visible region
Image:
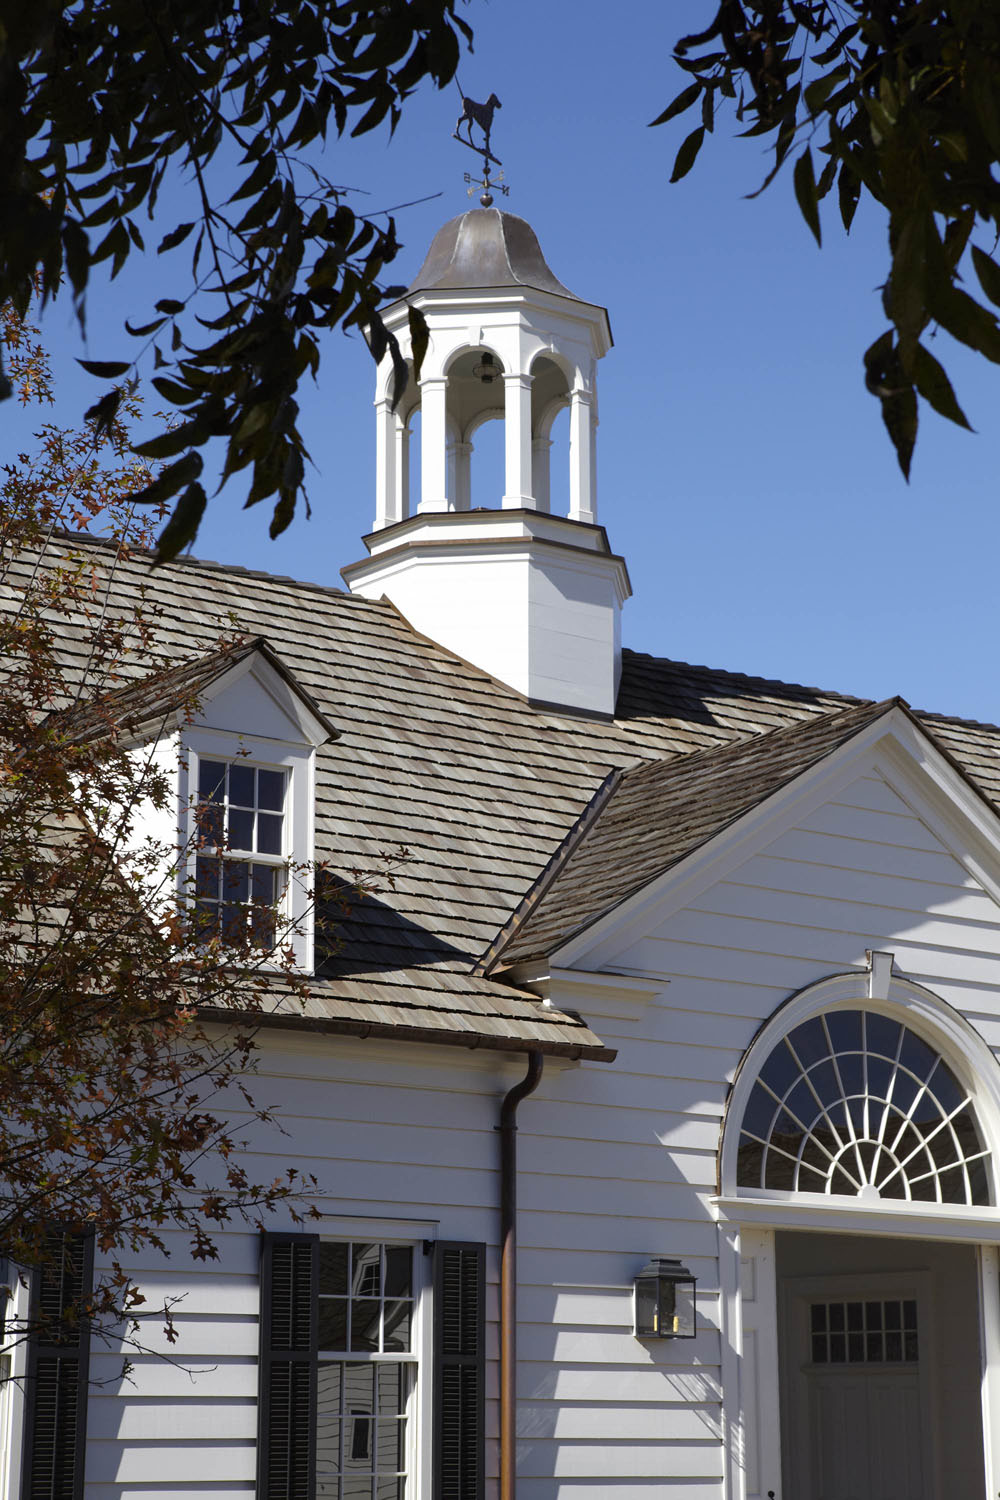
[55, 1390]
[459, 1371]
[286, 1443]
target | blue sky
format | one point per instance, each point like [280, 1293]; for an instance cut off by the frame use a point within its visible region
[743, 470]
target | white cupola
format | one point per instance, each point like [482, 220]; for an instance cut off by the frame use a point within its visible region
[533, 598]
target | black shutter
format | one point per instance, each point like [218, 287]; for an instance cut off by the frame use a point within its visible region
[286, 1429]
[55, 1418]
[459, 1371]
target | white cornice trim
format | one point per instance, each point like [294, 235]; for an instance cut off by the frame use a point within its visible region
[839, 1215]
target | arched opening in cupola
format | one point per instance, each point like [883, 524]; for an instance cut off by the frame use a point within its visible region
[476, 432]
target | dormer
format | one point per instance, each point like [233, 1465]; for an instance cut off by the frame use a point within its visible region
[233, 737]
[532, 597]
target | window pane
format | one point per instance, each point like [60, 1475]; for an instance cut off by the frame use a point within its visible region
[208, 825]
[359, 1387]
[241, 780]
[271, 790]
[390, 1390]
[233, 923]
[398, 1270]
[364, 1323]
[327, 1442]
[366, 1278]
[206, 879]
[206, 919]
[264, 880]
[389, 1489]
[332, 1323]
[357, 1488]
[333, 1269]
[268, 833]
[236, 880]
[240, 829]
[211, 780]
[328, 1388]
[396, 1335]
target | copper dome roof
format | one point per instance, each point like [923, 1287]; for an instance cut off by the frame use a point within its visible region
[486, 248]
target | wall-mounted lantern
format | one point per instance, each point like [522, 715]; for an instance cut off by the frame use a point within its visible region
[664, 1300]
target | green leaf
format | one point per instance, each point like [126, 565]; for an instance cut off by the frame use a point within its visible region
[182, 528]
[988, 272]
[175, 237]
[805, 191]
[909, 281]
[849, 192]
[935, 387]
[107, 369]
[686, 156]
[420, 337]
[677, 106]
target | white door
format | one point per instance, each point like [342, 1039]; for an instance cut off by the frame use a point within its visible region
[856, 1361]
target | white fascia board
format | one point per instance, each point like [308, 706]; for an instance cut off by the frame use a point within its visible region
[935, 790]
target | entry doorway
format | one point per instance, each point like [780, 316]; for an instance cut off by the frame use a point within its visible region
[879, 1358]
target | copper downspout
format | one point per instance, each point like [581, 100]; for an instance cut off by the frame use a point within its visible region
[508, 1271]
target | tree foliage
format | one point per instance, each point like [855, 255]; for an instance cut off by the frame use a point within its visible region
[126, 1036]
[106, 104]
[897, 99]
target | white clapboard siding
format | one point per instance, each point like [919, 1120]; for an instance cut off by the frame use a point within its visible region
[694, 1386]
[656, 1463]
[680, 1421]
[189, 1421]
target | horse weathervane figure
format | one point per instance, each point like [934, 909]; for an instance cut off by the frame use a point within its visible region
[481, 115]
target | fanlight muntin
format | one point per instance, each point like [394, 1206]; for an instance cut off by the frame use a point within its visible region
[843, 1098]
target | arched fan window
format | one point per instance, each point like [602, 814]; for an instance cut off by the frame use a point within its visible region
[854, 1103]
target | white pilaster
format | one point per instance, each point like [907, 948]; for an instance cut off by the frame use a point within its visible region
[541, 448]
[433, 445]
[582, 506]
[517, 421]
[387, 510]
[402, 470]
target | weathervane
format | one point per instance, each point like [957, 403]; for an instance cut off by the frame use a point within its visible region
[481, 115]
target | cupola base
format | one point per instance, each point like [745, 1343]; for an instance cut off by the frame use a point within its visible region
[533, 599]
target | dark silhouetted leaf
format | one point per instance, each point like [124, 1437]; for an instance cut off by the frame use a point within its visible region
[103, 412]
[686, 156]
[175, 237]
[677, 106]
[107, 369]
[182, 528]
[805, 192]
[988, 272]
[935, 387]
[420, 337]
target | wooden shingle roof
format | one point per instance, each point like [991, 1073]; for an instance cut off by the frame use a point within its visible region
[480, 787]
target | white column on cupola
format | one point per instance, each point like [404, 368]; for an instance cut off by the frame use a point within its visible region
[387, 488]
[433, 444]
[541, 451]
[582, 501]
[517, 421]
[460, 474]
[402, 468]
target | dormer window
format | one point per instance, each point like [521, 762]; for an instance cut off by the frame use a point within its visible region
[240, 865]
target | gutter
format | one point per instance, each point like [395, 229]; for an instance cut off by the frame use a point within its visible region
[508, 1272]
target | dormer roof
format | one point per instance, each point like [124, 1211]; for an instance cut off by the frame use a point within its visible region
[163, 699]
